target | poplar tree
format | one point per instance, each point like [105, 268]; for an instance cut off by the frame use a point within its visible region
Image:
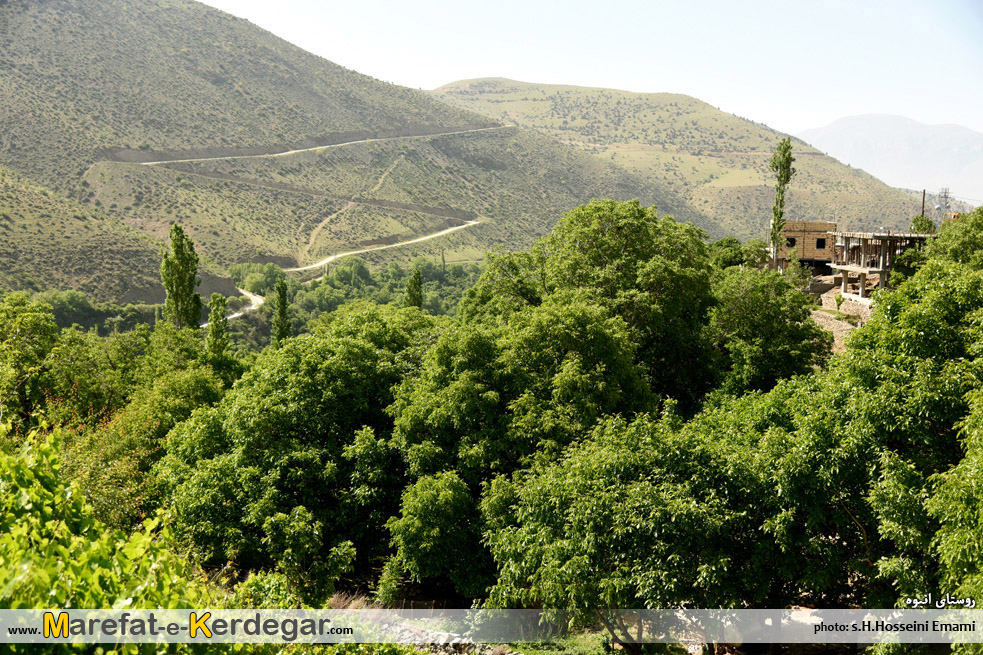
[281, 324]
[179, 273]
[414, 290]
[781, 166]
[217, 336]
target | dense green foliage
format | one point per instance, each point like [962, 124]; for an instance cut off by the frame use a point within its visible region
[111, 462]
[922, 224]
[960, 240]
[639, 515]
[651, 272]
[27, 335]
[275, 474]
[836, 489]
[55, 554]
[490, 400]
[76, 308]
[729, 251]
[621, 416]
[761, 329]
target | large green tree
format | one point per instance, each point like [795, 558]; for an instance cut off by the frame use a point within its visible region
[781, 166]
[293, 469]
[960, 240]
[489, 400]
[762, 330]
[179, 273]
[922, 225]
[27, 335]
[641, 514]
[650, 271]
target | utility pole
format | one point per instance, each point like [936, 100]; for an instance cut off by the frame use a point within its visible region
[923, 203]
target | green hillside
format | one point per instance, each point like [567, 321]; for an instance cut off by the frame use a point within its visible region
[51, 242]
[156, 111]
[716, 161]
[82, 80]
[304, 207]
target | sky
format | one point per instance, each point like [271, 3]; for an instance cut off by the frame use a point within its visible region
[790, 64]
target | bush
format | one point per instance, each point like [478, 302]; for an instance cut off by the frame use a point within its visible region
[55, 554]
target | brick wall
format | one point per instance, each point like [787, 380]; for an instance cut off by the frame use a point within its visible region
[809, 236]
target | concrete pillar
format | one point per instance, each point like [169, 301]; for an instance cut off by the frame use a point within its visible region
[863, 285]
[843, 285]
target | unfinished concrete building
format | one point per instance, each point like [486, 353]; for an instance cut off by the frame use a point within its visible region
[869, 253]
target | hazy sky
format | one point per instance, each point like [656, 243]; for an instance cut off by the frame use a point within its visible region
[792, 64]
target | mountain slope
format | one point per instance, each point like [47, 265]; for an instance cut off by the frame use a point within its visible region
[50, 241]
[301, 208]
[156, 111]
[83, 79]
[906, 153]
[716, 161]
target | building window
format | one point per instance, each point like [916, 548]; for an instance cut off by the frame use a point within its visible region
[820, 244]
[790, 242]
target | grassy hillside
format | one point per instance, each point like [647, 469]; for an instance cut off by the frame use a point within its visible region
[716, 161]
[51, 242]
[301, 208]
[81, 80]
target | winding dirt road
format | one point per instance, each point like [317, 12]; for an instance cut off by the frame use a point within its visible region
[254, 303]
[332, 258]
[286, 153]
[257, 301]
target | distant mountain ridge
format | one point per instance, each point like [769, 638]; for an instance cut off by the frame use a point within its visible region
[906, 153]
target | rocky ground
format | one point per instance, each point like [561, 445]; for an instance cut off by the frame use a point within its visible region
[839, 328]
